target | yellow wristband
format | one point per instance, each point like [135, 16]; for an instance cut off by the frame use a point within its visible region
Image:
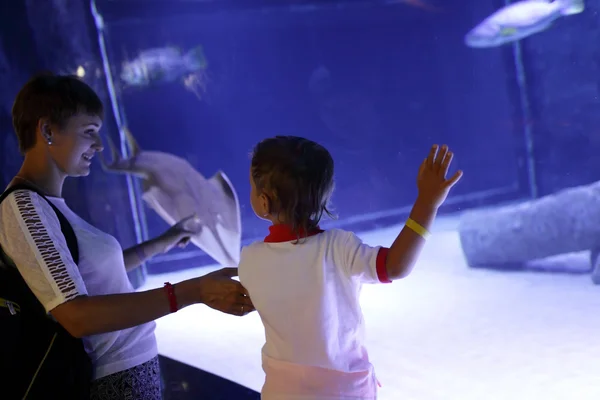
[417, 228]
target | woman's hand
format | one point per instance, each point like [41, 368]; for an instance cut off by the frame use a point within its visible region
[218, 291]
[179, 234]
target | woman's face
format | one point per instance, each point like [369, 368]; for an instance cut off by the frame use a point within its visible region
[75, 144]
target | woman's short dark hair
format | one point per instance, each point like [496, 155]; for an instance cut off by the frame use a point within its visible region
[56, 97]
[296, 174]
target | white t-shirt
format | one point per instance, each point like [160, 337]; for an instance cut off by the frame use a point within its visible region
[30, 235]
[307, 295]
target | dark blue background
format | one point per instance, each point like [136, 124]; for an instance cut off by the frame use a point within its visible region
[401, 80]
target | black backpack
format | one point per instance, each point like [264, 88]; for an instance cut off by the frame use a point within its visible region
[39, 359]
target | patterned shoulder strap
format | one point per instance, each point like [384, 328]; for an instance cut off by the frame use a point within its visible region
[65, 226]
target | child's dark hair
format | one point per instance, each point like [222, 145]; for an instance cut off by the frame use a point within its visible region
[56, 97]
[296, 174]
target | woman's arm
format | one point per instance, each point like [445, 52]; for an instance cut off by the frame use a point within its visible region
[31, 236]
[140, 253]
[92, 315]
[89, 315]
[175, 235]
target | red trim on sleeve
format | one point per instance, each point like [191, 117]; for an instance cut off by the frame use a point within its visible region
[382, 274]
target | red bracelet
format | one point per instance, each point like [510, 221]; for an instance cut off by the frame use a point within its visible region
[173, 307]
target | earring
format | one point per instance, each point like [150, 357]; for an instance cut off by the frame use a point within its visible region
[49, 142]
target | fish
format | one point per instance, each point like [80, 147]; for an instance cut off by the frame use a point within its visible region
[424, 5]
[175, 190]
[519, 20]
[167, 65]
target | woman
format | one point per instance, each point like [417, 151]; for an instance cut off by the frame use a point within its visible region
[57, 120]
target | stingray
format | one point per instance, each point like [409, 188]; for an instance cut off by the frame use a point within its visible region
[175, 190]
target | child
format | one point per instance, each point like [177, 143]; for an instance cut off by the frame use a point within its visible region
[305, 282]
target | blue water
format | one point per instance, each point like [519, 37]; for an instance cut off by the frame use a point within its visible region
[377, 85]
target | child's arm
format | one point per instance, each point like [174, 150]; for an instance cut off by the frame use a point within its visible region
[433, 189]
[407, 247]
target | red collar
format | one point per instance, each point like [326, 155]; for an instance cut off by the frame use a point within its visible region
[284, 233]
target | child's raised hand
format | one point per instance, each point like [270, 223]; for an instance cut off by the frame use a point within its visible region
[431, 181]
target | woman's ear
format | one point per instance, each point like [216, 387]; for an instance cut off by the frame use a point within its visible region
[45, 131]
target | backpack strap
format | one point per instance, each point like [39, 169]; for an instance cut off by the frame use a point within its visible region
[65, 226]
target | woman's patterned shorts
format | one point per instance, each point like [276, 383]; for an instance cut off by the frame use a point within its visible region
[137, 383]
